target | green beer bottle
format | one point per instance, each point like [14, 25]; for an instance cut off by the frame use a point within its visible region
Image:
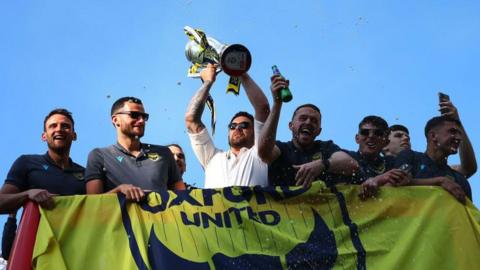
[285, 94]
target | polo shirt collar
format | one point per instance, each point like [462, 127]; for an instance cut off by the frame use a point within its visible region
[143, 149]
[71, 164]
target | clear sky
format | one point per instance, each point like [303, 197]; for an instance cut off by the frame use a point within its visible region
[350, 58]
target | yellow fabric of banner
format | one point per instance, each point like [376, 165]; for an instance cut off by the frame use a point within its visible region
[256, 228]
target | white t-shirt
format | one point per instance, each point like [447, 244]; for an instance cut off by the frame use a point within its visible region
[223, 168]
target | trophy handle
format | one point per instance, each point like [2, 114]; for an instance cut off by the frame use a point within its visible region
[192, 33]
[196, 35]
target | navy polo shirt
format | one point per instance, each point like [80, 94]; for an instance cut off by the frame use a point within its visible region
[370, 168]
[281, 172]
[154, 169]
[41, 172]
[424, 167]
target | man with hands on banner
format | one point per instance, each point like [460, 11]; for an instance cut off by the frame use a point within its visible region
[375, 169]
[303, 159]
[130, 166]
[40, 177]
[445, 136]
[240, 165]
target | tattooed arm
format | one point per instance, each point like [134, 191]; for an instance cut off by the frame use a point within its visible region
[193, 116]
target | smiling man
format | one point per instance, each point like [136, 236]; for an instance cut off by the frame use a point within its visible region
[444, 135]
[39, 177]
[130, 166]
[240, 165]
[303, 159]
[375, 169]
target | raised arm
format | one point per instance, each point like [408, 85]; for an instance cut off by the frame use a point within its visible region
[256, 97]
[468, 162]
[267, 150]
[193, 116]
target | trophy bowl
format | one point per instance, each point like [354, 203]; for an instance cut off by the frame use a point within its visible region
[235, 60]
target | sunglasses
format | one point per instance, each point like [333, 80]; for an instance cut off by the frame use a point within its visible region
[241, 125]
[376, 132]
[136, 115]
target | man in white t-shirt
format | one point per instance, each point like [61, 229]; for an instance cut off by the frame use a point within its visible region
[240, 165]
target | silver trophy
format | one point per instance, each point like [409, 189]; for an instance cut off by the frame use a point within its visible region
[201, 50]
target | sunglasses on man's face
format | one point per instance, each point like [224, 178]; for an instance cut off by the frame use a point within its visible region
[376, 132]
[241, 125]
[136, 115]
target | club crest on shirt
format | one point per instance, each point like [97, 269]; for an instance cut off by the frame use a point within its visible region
[78, 175]
[317, 155]
[119, 158]
[45, 167]
[153, 156]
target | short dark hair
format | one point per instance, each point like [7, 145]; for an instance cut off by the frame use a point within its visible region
[308, 105]
[245, 114]
[377, 121]
[117, 105]
[61, 111]
[393, 128]
[438, 121]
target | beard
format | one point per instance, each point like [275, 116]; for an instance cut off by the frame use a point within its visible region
[59, 149]
[303, 140]
[240, 141]
[237, 142]
[136, 133]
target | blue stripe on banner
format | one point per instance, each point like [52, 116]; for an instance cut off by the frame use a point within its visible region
[131, 236]
[357, 243]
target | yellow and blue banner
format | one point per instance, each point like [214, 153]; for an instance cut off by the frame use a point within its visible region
[261, 228]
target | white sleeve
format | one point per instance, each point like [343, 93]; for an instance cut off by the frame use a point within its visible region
[202, 146]
[257, 128]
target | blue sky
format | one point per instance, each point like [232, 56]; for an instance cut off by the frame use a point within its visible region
[350, 58]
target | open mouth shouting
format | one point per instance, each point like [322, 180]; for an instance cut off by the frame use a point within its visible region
[306, 131]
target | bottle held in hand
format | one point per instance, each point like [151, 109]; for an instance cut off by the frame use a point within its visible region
[285, 94]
